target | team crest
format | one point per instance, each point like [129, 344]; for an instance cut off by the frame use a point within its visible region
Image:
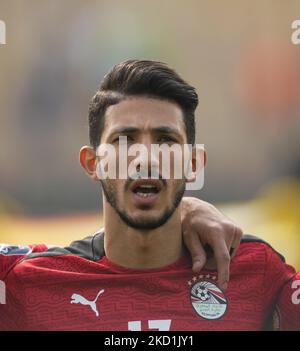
[207, 299]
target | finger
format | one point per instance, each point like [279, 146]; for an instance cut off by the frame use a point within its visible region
[229, 233]
[222, 258]
[193, 244]
[236, 241]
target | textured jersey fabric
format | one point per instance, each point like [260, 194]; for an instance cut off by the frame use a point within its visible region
[78, 288]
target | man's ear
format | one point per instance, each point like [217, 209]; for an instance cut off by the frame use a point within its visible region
[199, 159]
[88, 161]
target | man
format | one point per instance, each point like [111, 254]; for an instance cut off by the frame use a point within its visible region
[145, 280]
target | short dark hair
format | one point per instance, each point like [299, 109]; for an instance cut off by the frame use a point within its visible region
[141, 78]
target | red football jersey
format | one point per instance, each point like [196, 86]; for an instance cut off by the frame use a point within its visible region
[77, 288]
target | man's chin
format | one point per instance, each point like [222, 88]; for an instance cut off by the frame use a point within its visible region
[145, 222]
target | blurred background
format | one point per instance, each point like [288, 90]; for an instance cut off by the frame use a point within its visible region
[239, 56]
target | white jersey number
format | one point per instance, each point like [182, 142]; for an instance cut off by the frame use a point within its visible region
[159, 324]
[296, 294]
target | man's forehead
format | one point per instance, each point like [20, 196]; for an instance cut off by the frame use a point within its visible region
[144, 113]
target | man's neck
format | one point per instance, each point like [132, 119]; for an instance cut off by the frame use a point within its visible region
[142, 249]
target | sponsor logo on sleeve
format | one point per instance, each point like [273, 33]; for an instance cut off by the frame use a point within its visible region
[13, 250]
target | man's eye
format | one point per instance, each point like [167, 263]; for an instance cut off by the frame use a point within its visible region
[122, 139]
[166, 139]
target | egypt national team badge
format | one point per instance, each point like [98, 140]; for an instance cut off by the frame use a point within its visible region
[207, 299]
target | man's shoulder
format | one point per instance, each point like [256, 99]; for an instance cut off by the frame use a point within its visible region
[256, 255]
[70, 258]
[11, 254]
[256, 245]
[90, 248]
[36, 264]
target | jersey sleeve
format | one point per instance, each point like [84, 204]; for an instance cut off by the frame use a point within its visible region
[287, 313]
[277, 277]
[277, 272]
[10, 255]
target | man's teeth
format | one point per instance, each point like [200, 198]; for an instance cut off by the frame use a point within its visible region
[146, 190]
[144, 194]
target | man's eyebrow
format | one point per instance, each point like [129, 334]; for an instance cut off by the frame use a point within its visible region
[124, 130]
[161, 129]
[165, 129]
[168, 130]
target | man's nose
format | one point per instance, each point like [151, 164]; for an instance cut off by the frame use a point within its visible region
[148, 161]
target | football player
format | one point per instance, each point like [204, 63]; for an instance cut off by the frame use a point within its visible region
[140, 252]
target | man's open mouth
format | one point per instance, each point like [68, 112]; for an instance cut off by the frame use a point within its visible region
[146, 188]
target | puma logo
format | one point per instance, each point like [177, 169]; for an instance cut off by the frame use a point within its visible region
[76, 298]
